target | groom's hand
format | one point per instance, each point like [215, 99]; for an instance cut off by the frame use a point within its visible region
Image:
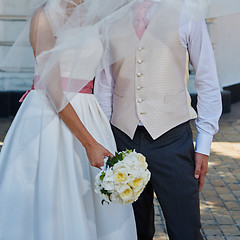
[201, 168]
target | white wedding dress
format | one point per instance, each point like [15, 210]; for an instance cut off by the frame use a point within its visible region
[46, 181]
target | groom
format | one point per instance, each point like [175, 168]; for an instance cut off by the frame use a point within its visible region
[150, 111]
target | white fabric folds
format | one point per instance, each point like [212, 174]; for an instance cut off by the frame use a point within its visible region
[46, 181]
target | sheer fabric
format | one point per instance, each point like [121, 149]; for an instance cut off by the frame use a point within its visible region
[72, 39]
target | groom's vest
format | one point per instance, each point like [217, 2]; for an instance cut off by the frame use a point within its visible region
[151, 84]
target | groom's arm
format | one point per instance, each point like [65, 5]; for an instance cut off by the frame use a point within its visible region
[209, 104]
[103, 90]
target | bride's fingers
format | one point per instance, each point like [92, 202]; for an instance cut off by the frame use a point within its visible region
[109, 154]
[98, 165]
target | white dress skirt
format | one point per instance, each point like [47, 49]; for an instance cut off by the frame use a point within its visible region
[47, 183]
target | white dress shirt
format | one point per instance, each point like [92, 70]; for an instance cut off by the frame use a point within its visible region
[195, 39]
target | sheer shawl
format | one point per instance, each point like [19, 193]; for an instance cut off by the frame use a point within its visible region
[71, 39]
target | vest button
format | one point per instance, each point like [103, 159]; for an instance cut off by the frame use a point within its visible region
[139, 61]
[139, 87]
[139, 100]
[139, 74]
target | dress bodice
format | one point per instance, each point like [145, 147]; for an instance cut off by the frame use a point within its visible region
[82, 63]
[77, 65]
[78, 58]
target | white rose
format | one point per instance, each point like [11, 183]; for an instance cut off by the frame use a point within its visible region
[118, 165]
[97, 178]
[142, 160]
[127, 194]
[137, 193]
[146, 176]
[109, 175]
[129, 159]
[98, 182]
[116, 198]
[97, 190]
[121, 175]
[107, 185]
[136, 183]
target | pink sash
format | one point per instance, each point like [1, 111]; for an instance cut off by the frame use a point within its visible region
[88, 89]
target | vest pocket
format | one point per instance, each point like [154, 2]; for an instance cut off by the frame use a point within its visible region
[117, 95]
[118, 100]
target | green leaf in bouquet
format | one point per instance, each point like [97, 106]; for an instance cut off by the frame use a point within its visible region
[105, 192]
[102, 175]
[128, 151]
[119, 156]
[103, 201]
[112, 161]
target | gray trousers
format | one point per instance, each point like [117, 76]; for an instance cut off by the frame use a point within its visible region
[171, 162]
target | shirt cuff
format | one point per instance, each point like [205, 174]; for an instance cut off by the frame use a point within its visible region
[203, 143]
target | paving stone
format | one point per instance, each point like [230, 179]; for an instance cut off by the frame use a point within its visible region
[218, 183]
[233, 205]
[223, 189]
[208, 194]
[224, 219]
[216, 238]
[161, 238]
[208, 216]
[207, 187]
[215, 203]
[209, 222]
[212, 230]
[230, 230]
[217, 213]
[231, 179]
[236, 217]
[227, 197]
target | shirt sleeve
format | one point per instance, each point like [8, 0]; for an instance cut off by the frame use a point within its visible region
[103, 89]
[209, 104]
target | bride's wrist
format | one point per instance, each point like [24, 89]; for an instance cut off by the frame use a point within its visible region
[89, 142]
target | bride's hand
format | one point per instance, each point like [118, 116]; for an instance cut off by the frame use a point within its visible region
[96, 154]
[95, 151]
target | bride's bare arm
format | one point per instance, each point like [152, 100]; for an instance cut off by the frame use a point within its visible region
[95, 151]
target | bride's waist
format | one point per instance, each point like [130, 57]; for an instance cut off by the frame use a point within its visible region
[67, 85]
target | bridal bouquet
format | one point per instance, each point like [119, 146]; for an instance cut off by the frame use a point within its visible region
[124, 177]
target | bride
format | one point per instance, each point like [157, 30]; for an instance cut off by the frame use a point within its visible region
[49, 161]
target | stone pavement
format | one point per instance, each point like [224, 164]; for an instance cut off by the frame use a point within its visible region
[220, 198]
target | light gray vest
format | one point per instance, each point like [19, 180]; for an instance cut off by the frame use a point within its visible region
[151, 85]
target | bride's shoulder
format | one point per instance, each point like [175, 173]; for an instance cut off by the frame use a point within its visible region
[38, 18]
[39, 24]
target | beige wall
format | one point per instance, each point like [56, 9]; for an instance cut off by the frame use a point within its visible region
[13, 16]
[225, 36]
